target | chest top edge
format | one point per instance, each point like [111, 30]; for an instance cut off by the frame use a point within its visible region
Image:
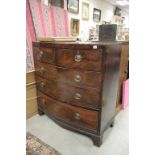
[78, 45]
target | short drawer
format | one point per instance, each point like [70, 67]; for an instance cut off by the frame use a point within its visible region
[45, 55]
[73, 115]
[81, 59]
[69, 76]
[83, 97]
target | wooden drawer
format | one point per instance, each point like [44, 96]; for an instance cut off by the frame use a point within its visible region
[69, 76]
[84, 97]
[45, 55]
[81, 59]
[76, 116]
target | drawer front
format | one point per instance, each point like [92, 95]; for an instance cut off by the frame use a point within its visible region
[69, 76]
[70, 114]
[45, 55]
[81, 59]
[84, 97]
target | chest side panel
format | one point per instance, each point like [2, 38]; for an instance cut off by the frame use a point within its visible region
[110, 85]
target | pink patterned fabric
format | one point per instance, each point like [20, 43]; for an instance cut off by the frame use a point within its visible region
[59, 22]
[125, 99]
[37, 18]
[29, 53]
[49, 21]
[43, 21]
[30, 36]
[65, 23]
[29, 22]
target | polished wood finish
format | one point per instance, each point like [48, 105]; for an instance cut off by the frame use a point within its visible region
[45, 55]
[52, 72]
[66, 93]
[77, 84]
[72, 115]
[110, 85]
[90, 59]
[123, 75]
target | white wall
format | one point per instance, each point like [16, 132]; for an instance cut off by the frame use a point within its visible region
[107, 13]
[126, 15]
[106, 8]
[45, 2]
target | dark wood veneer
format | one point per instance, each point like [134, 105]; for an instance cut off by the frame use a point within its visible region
[45, 55]
[85, 104]
[88, 119]
[52, 72]
[90, 59]
[66, 93]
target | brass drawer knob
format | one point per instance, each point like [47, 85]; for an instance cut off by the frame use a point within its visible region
[77, 116]
[77, 78]
[78, 58]
[40, 54]
[77, 96]
[41, 70]
[42, 84]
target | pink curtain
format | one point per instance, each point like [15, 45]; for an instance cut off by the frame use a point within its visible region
[49, 21]
[43, 21]
[59, 22]
[37, 18]
[30, 37]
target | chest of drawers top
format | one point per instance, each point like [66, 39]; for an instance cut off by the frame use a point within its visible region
[78, 44]
[70, 58]
[78, 55]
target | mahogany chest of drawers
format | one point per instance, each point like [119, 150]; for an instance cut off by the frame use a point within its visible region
[77, 84]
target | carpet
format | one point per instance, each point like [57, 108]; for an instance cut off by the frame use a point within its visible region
[34, 146]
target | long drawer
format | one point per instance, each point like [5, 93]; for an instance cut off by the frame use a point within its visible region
[83, 59]
[70, 76]
[85, 97]
[76, 116]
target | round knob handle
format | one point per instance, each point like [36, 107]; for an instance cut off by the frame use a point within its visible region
[77, 78]
[42, 84]
[77, 116]
[77, 96]
[40, 55]
[78, 58]
[41, 70]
